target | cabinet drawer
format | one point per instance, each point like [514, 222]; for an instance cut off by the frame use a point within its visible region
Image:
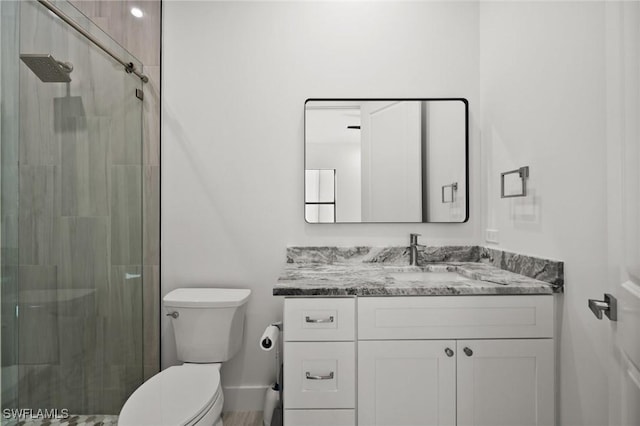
[454, 317]
[319, 375]
[319, 319]
[319, 417]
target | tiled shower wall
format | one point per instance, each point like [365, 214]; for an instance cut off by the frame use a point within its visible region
[142, 37]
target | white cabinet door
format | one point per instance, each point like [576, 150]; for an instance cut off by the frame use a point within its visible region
[505, 382]
[406, 383]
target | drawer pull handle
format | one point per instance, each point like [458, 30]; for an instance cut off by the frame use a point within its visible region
[318, 320]
[449, 352]
[468, 351]
[327, 377]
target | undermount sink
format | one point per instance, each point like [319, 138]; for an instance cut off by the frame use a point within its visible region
[428, 276]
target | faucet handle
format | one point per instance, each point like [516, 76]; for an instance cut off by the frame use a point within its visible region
[414, 238]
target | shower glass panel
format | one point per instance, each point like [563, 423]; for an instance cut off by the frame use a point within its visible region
[71, 218]
[9, 138]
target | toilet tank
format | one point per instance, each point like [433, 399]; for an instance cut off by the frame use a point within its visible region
[208, 322]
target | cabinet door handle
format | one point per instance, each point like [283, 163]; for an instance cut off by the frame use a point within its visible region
[318, 320]
[449, 352]
[319, 377]
[468, 351]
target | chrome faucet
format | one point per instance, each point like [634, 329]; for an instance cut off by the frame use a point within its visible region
[413, 249]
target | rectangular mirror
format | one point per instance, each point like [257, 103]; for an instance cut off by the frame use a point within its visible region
[386, 160]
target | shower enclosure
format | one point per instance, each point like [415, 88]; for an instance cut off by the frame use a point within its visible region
[71, 216]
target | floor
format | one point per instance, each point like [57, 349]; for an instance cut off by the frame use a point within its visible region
[243, 418]
[235, 418]
[73, 420]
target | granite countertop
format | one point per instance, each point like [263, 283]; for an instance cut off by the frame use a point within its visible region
[353, 275]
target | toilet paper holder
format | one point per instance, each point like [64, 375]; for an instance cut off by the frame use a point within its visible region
[268, 340]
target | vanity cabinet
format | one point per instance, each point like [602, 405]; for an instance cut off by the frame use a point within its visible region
[319, 362]
[455, 360]
[420, 360]
[434, 382]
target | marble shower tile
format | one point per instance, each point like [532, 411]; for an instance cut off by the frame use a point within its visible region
[123, 323]
[38, 329]
[37, 386]
[35, 277]
[9, 300]
[38, 325]
[151, 215]
[85, 171]
[10, 184]
[151, 117]
[141, 37]
[120, 383]
[126, 126]
[39, 208]
[94, 367]
[70, 380]
[38, 142]
[126, 215]
[10, 247]
[84, 253]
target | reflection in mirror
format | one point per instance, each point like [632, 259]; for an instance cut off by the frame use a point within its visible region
[390, 160]
[320, 196]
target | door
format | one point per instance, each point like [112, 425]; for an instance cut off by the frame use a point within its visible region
[623, 158]
[391, 164]
[406, 383]
[505, 382]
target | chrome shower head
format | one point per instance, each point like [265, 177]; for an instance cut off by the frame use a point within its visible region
[47, 68]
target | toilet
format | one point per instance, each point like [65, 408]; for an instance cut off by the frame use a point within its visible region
[209, 326]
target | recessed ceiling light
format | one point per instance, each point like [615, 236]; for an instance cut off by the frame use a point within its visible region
[136, 12]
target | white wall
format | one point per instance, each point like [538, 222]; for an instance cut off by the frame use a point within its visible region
[543, 105]
[235, 78]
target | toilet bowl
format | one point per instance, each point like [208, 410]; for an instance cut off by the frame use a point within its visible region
[209, 327]
[189, 394]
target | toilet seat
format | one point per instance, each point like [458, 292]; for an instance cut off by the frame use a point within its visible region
[180, 395]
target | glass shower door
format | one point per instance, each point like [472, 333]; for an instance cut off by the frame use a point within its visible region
[79, 220]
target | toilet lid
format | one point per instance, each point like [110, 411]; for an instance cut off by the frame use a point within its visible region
[175, 396]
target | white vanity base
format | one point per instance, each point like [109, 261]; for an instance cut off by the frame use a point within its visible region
[419, 360]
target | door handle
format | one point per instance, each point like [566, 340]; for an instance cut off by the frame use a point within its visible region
[608, 306]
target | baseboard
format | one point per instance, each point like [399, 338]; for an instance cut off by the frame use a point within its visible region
[243, 398]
